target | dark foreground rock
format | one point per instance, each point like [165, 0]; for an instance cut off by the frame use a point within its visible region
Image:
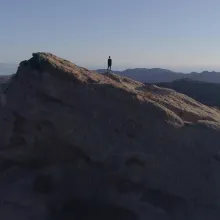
[75, 144]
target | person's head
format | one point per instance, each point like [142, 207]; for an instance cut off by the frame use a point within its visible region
[109, 57]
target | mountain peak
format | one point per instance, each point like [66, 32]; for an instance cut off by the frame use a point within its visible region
[104, 137]
[46, 65]
[42, 60]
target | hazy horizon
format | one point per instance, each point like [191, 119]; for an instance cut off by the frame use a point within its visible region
[121, 68]
[177, 35]
[11, 68]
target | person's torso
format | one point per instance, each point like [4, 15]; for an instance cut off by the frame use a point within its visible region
[109, 62]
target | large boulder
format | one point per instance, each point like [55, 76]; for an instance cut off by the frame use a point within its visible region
[89, 137]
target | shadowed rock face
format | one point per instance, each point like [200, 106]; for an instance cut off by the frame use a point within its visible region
[68, 134]
[93, 210]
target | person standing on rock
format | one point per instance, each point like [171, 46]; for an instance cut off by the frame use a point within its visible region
[109, 64]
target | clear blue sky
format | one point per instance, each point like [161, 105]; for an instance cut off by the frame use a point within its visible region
[175, 34]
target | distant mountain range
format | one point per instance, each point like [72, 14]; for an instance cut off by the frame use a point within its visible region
[157, 75]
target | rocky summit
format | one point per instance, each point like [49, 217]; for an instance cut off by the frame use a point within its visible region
[75, 144]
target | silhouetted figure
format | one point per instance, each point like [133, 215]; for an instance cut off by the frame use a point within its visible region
[109, 64]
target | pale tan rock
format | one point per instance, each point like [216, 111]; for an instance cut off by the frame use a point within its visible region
[60, 114]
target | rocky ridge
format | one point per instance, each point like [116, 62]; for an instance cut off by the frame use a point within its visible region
[69, 135]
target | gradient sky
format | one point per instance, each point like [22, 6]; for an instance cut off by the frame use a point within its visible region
[175, 34]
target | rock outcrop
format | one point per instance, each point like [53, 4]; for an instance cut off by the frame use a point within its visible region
[204, 92]
[73, 140]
